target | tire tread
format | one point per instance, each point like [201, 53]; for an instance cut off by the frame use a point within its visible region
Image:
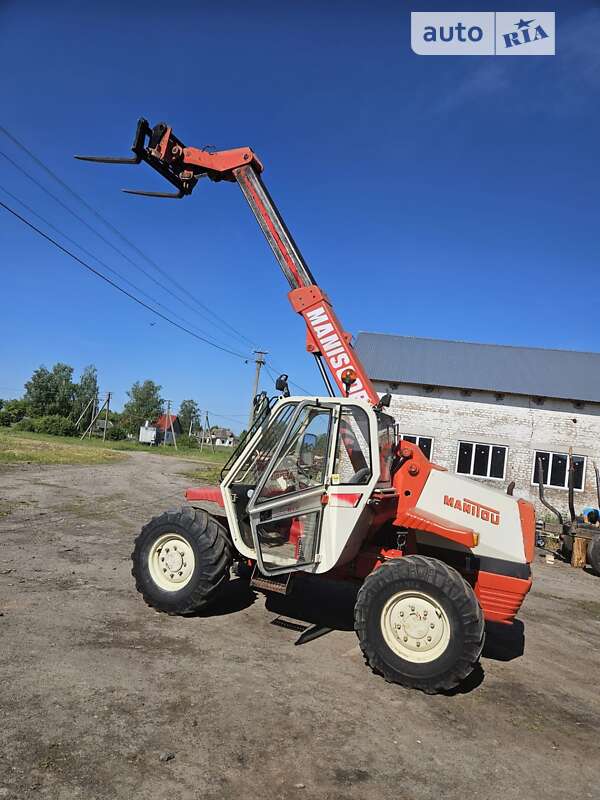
[446, 579]
[215, 549]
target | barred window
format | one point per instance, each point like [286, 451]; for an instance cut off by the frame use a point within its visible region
[481, 460]
[555, 470]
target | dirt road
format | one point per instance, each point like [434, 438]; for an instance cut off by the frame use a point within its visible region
[101, 697]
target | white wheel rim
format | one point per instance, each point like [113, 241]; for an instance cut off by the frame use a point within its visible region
[415, 626]
[171, 562]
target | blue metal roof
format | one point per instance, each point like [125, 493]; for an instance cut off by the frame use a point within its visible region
[529, 371]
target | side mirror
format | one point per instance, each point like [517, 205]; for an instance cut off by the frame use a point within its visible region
[305, 456]
[281, 384]
[385, 401]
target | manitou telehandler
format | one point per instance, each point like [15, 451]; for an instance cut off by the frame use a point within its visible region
[321, 485]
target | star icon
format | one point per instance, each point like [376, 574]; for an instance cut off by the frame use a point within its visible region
[524, 23]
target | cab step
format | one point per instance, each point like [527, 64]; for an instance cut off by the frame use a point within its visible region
[281, 584]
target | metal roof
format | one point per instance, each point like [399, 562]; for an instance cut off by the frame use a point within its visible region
[532, 371]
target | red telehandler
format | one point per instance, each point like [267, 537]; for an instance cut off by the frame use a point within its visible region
[320, 485]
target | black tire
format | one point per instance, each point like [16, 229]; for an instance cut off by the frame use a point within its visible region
[566, 549]
[447, 588]
[593, 554]
[211, 546]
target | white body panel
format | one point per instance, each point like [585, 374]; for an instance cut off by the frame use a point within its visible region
[342, 526]
[500, 533]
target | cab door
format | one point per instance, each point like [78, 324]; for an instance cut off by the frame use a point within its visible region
[286, 509]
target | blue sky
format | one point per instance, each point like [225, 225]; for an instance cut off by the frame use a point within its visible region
[444, 197]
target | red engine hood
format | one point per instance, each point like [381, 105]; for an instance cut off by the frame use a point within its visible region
[212, 493]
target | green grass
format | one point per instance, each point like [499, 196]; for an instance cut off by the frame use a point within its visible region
[38, 448]
[206, 474]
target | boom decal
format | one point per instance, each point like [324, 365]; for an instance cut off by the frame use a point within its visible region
[337, 352]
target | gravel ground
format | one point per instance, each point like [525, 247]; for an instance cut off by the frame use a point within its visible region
[101, 697]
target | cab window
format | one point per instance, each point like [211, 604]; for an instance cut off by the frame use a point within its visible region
[257, 460]
[353, 449]
[302, 463]
[386, 437]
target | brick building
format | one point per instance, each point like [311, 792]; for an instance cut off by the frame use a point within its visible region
[489, 411]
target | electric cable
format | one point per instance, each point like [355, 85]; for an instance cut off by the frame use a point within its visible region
[105, 265]
[116, 285]
[121, 235]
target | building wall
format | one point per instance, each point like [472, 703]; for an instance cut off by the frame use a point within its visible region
[522, 424]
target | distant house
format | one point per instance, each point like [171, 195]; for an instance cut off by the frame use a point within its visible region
[220, 437]
[165, 425]
[160, 431]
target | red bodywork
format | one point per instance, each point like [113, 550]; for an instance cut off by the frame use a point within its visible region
[500, 595]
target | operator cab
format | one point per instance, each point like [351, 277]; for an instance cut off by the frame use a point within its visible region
[280, 489]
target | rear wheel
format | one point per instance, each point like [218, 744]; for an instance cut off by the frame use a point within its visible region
[593, 554]
[180, 559]
[419, 624]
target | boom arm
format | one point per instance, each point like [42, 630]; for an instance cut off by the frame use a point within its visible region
[183, 167]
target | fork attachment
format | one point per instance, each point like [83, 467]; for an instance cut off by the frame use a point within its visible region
[182, 166]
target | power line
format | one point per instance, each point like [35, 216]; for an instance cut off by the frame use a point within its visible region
[116, 285]
[127, 241]
[104, 264]
[96, 233]
[121, 235]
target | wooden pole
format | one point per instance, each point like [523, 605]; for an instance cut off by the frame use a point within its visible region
[106, 417]
[83, 413]
[94, 417]
[212, 443]
[167, 416]
[259, 360]
[173, 431]
[579, 554]
[91, 425]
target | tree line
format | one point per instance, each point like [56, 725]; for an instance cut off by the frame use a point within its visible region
[53, 402]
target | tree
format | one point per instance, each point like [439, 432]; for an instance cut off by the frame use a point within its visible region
[85, 390]
[189, 414]
[144, 403]
[50, 393]
[17, 409]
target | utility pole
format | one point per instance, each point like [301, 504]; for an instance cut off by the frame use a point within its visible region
[95, 415]
[106, 416]
[84, 412]
[259, 360]
[212, 443]
[204, 430]
[169, 422]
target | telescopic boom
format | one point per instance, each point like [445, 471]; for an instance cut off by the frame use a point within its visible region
[183, 167]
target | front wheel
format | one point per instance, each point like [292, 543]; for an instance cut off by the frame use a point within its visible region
[180, 559]
[419, 624]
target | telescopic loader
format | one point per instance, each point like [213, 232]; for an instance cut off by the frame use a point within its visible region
[322, 485]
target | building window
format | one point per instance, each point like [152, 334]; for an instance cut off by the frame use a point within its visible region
[482, 460]
[555, 470]
[425, 442]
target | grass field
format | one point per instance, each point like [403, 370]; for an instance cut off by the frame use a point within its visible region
[38, 448]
